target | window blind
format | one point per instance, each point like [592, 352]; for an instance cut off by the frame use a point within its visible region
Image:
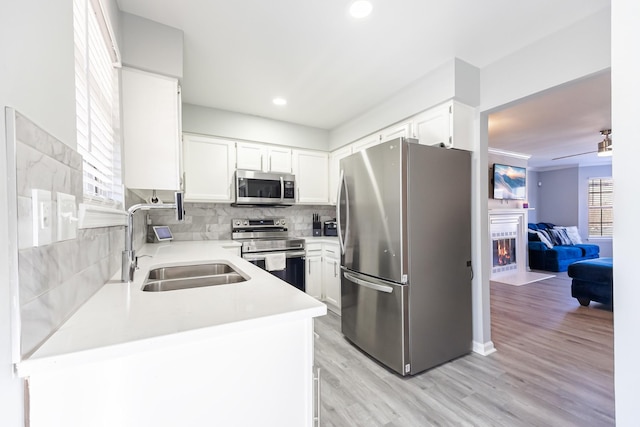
[97, 105]
[600, 204]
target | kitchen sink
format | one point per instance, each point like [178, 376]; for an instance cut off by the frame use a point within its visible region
[173, 278]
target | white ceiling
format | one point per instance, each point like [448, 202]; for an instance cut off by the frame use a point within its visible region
[563, 121]
[240, 54]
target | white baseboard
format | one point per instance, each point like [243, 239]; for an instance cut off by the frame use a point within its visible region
[484, 349]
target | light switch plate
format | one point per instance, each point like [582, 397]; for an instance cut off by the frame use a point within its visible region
[67, 217]
[42, 217]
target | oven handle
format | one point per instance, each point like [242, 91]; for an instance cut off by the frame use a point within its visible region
[260, 257]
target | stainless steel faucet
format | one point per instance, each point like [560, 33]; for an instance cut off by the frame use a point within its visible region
[129, 258]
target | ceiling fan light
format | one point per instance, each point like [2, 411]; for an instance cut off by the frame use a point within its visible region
[605, 147]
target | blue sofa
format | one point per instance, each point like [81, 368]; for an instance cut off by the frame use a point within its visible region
[558, 258]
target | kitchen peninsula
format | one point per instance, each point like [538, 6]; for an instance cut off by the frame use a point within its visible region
[234, 354]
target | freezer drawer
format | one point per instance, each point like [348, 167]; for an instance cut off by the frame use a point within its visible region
[374, 318]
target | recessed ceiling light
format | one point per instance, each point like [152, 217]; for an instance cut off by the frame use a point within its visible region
[279, 101]
[360, 9]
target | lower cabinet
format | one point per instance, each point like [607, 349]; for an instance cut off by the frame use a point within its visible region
[323, 273]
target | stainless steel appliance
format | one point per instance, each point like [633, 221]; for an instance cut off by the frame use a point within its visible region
[268, 239]
[331, 228]
[404, 228]
[264, 188]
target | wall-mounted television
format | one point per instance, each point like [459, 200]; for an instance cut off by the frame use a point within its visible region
[509, 182]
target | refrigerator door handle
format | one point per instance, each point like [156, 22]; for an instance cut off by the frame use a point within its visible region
[367, 284]
[341, 240]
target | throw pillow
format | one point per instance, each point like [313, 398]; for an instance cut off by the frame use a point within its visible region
[544, 238]
[559, 237]
[573, 234]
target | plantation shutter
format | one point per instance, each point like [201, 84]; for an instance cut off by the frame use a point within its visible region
[97, 104]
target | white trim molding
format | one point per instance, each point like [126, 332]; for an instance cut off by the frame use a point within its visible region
[94, 216]
[484, 349]
[513, 154]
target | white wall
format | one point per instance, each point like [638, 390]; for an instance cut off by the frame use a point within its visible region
[625, 69]
[453, 79]
[37, 79]
[577, 51]
[227, 124]
[151, 46]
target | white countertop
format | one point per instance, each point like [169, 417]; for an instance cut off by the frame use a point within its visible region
[120, 318]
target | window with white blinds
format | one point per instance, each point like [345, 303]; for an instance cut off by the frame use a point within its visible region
[600, 207]
[97, 104]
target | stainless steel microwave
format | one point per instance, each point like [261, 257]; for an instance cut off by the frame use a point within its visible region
[264, 188]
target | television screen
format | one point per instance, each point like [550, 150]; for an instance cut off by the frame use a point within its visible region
[509, 182]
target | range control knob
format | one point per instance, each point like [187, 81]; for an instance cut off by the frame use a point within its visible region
[236, 223]
[277, 222]
[246, 222]
[282, 222]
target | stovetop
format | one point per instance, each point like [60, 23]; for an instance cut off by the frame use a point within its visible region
[264, 235]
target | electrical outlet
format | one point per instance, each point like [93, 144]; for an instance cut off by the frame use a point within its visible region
[42, 217]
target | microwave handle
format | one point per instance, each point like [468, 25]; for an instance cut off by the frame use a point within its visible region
[281, 189]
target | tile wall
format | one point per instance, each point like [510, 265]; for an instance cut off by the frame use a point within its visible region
[213, 221]
[55, 279]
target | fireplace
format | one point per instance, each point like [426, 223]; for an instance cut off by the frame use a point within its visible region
[504, 252]
[505, 245]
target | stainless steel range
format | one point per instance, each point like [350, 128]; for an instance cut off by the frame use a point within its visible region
[266, 243]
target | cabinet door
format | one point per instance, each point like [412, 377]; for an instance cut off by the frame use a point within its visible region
[313, 276]
[311, 169]
[279, 160]
[396, 131]
[334, 171]
[250, 156]
[209, 164]
[365, 142]
[433, 127]
[150, 130]
[331, 283]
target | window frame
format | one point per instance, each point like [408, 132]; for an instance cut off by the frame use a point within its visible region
[602, 207]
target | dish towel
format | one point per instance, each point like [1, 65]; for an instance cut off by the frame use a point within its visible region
[275, 262]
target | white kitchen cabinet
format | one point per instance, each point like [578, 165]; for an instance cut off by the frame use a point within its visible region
[313, 272]
[449, 125]
[396, 131]
[262, 157]
[366, 142]
[334, 171]
[311, 169]
[151, 128]
[209, 165]
[331, 276]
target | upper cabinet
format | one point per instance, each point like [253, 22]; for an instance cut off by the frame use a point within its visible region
[311, 169]
[262, 157]
[449, 125]
[400, 130]
[209, 166]
[151, 128]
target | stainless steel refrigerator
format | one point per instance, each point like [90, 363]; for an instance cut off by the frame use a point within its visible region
[404, 225]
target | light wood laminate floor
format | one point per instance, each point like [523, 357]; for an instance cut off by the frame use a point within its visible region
[553, 367]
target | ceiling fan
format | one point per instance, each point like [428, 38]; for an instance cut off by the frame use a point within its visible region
[605, 147]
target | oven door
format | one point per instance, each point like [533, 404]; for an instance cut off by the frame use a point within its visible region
[293, 273]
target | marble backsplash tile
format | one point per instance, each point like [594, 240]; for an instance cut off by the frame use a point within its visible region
[213, 221]
[54, 280]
